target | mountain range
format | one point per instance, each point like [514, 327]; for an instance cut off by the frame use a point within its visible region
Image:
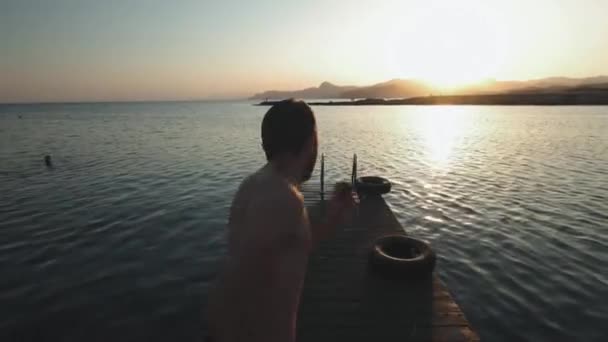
[407, 88]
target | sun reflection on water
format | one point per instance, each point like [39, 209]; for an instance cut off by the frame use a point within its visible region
[441, 130]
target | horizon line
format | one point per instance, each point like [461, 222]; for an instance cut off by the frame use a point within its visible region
[122, 101]
[248, 97]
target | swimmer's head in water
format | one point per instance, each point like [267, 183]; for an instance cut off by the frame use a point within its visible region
[289, 130]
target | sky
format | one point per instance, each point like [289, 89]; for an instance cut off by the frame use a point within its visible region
[81, 50]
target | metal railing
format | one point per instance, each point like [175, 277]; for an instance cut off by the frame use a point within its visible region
[322, 176]
[353, 176]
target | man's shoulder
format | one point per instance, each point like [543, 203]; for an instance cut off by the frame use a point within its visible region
[282, 215]
[278, 197]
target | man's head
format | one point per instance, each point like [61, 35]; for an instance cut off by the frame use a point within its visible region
[289, 132]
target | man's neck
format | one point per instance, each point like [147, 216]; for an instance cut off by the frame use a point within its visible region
[286, 171]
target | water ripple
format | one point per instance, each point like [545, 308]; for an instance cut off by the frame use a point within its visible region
[128, 227]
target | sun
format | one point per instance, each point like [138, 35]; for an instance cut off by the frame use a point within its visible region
[448, 47]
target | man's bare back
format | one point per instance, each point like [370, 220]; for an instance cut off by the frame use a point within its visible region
[269, 239]
[270, 236]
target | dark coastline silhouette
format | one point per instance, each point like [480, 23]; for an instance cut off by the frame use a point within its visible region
[555, 90]
[497, 99]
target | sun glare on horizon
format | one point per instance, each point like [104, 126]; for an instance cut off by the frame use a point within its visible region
[448, 47]
[56, 51]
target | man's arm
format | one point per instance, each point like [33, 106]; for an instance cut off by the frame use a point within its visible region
[284, 255]
[339, 206]
[322, 230]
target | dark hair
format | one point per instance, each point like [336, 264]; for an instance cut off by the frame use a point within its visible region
[286, 127]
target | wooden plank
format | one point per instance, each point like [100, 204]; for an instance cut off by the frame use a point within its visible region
[344, 300]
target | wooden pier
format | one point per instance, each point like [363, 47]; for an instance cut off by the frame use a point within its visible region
[343, 301]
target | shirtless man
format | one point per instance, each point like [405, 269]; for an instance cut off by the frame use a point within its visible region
[270, 236]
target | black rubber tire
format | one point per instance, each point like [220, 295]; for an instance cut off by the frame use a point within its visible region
[371, 185]
[389, 257]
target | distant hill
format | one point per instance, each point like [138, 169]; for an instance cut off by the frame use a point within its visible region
[597, 96]
[392, 89]
[396, 88]
[325, 90]
[401, 88]
[596, 87]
